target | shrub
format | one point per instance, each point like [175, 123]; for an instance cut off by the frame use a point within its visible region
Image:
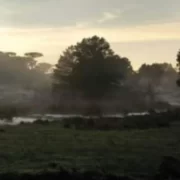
[146, 122]
[42, 122]
[53, 165]
[154, 120]
[91, 123]
[67, 125]
[76, 122]
[2, 131]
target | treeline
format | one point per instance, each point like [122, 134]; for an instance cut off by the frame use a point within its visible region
[23, 81]
[22, 70]
[89, 77]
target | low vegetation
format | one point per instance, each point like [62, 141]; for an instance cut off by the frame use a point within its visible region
[35, 148]
[155, 120]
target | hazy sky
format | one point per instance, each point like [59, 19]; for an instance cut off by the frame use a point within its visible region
[142, 30]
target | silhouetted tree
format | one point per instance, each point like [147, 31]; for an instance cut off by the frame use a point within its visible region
[43, 67]
[22, 79]
[22, 70]
[153, 78]
[151, 73]
[91, 67]
[12, 54]
[178, 66]
[154, 73]
[31, 56]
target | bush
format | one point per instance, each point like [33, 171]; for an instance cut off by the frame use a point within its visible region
[24, 123]
[41, 122]
[154, 120]
[91, 123]
[2, 130]
[76, 122]
[53, 165]
[169, 168]
[62, 174]
[67, 125]
[146, 122]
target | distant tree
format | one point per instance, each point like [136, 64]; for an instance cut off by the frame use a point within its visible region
[151, 73]
[153, 78]
[43, 67]
[12, 54]
[154, 73]
[178, 66]
[31, 56]
[22, 70]
[22, 82]
[91, 67]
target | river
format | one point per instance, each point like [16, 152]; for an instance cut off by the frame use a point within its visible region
[52, 117]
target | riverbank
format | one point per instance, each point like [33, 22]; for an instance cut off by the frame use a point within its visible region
[31, 118]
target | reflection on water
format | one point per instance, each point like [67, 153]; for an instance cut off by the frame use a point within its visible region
[52, 117]
[17, 120]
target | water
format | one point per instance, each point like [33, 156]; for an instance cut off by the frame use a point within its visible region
[17, 120]
[52, 117]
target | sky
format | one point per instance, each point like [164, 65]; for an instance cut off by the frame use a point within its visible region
[142, 30]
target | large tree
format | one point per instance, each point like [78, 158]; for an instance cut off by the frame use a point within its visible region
[92, 68]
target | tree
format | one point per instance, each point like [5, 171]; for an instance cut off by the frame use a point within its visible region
[43, 67]
[33, 55]
[12, 54]
[155, 79]
[30, 58]
[178, 65]
[21, 84]
[151, 73]
[155, 73]
[91, 67]
[22, 70]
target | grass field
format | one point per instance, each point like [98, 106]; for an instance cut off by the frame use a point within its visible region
[32, 148]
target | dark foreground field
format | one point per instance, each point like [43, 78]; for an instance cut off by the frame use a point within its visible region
[35, 148]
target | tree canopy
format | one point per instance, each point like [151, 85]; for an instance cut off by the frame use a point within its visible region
[154, 73]
[21, 70]
[33, 54]
[91, 67]
[178, 66]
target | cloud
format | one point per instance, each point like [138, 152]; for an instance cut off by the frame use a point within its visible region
[107, 16]
[83, 24]
[72, 34]
[18, 13]
[52, 41]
